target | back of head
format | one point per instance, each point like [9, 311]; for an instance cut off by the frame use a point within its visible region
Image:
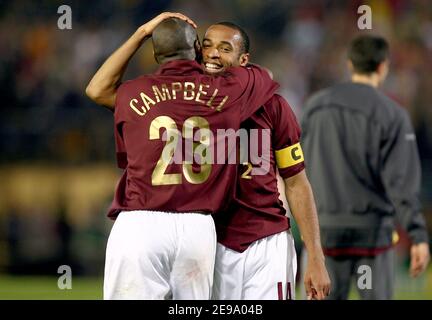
[367, 52]
[174, 39]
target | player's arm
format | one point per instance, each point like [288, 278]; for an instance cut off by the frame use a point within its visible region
[401, 176]
[298, 192]
[266, 69]
[302, 206]
[256, 87]
[103, 86]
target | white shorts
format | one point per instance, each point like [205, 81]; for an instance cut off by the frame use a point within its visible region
[265, 271]
[160, 255]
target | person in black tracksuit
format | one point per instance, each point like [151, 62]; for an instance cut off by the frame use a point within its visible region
[363, 165]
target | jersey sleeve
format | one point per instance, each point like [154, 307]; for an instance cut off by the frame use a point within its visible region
[401, 174]
[286, 138]
[257, 88]
[121, 154]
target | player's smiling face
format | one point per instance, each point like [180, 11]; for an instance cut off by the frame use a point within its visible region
[221, 49]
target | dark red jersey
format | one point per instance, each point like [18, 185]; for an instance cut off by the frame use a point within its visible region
[257, 211]
[167, 129]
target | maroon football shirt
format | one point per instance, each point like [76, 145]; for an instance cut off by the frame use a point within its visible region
[257, 211]
[161, 121]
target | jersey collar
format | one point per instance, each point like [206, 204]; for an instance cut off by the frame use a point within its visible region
[179, 67]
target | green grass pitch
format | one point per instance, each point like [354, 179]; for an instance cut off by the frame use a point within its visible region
[45, 288]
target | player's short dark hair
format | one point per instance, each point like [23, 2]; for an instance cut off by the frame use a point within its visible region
[245, 44]
[366, 52]
[173, 38]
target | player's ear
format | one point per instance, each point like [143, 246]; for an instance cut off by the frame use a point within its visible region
[197, 45]
[383, 69]
[156, 57]
[244, 59]
[198, 53]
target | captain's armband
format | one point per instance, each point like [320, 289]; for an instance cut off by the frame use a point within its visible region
[289, 156]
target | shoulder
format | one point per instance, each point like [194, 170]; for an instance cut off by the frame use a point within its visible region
[275, 101]
[390, 105]
[129, 84]
[352, 97]
[389, 113]
[245, 73]
[279, 111]
[131, 87]
[126, 91]
[344, 93]
[277, 105]
[319, 98]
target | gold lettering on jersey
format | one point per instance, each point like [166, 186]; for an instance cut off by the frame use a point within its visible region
[159, 177]
[201, 92]
[147, 100]
[189, 94]
[188, 133]
[209, 103]
[171, 91]
[133, 103]
[220, 106]
[176, 87]
[161, 95]
[246, 174]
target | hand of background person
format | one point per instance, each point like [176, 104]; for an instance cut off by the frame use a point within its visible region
[148, 27]
[420, 257]
[316, 280]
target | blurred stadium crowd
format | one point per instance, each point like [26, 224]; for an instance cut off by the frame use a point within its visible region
[57, 152]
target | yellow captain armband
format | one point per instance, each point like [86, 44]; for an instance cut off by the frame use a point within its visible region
[289, 156]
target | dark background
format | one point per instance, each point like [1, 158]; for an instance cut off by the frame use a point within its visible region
[57, 167]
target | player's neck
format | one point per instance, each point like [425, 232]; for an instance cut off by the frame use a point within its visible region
[372, 79]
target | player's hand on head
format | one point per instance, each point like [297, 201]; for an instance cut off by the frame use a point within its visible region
[151, 25]
[420, 257]
[316, 281]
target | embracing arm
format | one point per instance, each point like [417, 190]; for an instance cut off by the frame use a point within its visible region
[302, 205]
[103, 86]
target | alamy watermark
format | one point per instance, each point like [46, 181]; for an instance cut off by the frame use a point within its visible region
[65, 280]
[227, 146]
[364, 22]
[64, 22]
[364, 281]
